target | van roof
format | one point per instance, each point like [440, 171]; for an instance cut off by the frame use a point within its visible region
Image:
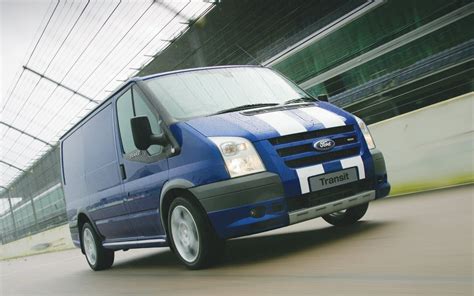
[143, 78]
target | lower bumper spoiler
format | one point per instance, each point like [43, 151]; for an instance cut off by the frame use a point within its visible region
[338, 205]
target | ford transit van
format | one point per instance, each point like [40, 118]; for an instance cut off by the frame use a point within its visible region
[191, 158]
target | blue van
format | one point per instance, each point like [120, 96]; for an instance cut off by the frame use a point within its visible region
[188, 159]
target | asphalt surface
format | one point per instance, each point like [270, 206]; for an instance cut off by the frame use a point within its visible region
[420, 244]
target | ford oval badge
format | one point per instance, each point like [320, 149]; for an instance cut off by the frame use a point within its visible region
[324, 145]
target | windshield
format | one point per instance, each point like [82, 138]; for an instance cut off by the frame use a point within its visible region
[210, 91]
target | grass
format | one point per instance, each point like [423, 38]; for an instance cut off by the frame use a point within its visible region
[399, 189]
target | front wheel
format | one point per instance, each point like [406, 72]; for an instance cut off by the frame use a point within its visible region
[348, 216]
[97, 256]
[191, 235]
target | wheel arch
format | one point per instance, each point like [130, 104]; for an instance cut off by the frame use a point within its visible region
[83, 218]
[171, 190]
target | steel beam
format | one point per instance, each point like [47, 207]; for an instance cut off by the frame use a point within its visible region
[60, 85]
[11, 165]
[25, 133]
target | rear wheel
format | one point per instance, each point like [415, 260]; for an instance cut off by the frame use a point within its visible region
[97, 256]
[347, 216]
[191, 235]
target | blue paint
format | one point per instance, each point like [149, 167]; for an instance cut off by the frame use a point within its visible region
[126, 208]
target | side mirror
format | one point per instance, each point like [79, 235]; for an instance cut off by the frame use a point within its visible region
[143, 137]
[323, 97]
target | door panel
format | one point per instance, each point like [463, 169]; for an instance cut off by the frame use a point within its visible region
[144, 188]
[102, 176]
[145, 171]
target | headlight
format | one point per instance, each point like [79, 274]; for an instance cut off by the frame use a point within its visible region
[239, 156]
[366, 133]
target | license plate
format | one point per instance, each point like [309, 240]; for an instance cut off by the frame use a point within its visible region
[325, 181]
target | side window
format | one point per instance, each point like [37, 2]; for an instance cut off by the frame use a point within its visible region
[124, 114]
[142, 109]
[131, 104]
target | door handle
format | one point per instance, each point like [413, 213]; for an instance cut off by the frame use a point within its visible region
[122, 172]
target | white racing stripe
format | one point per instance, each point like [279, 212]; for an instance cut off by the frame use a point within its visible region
[282, 123]
[355, 161]
[305, 173]
[327, 118]
[287, 125]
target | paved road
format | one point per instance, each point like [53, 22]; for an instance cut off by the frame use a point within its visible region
[413, 245]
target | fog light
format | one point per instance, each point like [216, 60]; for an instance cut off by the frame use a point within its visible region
[382, 179]
[257, 212]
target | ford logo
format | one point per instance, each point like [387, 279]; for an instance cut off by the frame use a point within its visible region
[324, 145]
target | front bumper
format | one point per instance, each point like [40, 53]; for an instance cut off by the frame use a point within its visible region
[382, 187]
[256, 203]
[240, 191]
[229, 204]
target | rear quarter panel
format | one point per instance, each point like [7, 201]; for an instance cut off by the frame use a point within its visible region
[90, 166]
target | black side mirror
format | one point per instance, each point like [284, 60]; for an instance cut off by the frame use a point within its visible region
[323, 97]
[143, 137]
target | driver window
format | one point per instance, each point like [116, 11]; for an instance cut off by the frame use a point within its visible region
[131, 104]
[143, 109]
[124, 114]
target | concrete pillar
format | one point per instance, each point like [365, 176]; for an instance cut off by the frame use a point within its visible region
[36, 227]
[11, 213]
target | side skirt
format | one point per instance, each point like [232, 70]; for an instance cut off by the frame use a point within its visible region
[134, 244]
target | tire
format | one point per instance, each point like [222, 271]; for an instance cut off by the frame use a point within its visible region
[98, 257]
[348, 216]
[191, 235]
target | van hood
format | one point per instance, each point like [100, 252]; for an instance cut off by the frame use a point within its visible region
[270, 122]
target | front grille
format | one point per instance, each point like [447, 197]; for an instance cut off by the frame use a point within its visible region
[325, 196]
[297, 150]
[309, 147]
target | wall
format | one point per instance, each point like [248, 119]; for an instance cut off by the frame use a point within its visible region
[41, 203]
[430, 147]
[51, 240]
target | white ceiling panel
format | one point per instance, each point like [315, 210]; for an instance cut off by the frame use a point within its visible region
[89, 47]
[7, 173]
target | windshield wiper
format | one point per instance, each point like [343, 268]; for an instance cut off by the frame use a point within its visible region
[300, 100]
[252, 106]
[245, 107]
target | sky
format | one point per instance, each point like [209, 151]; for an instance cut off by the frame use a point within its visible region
[20, 21]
